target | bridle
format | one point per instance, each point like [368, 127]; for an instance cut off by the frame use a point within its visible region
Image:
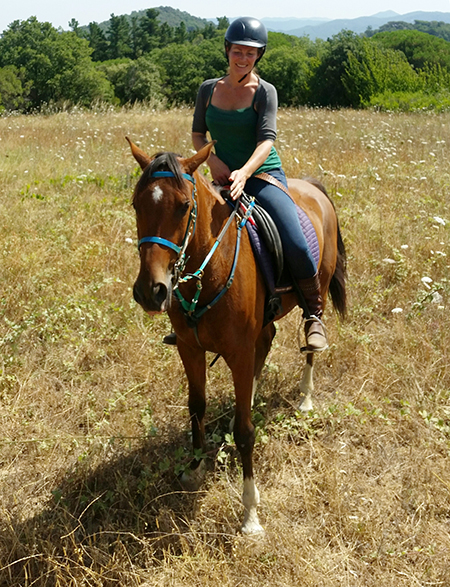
[190, 228]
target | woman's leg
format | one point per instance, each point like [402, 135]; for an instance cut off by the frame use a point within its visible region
[300, 260]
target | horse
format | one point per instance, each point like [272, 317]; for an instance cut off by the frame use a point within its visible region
[198, 266]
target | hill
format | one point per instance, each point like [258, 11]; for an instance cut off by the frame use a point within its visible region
[361, 24]
[284, 25]
[172, 16]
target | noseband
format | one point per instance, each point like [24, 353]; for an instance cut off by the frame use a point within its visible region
[191, 222]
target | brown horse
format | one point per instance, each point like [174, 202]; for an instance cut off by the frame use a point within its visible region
[184, 271]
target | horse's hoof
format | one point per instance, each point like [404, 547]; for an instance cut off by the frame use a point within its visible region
[252, 528]
[306, 405]
[192, 479]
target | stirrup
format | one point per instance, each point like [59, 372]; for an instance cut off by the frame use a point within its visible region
[318, 347]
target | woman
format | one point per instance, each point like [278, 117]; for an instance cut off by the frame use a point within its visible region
[239, 112]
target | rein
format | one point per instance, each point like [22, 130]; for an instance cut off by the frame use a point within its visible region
[193, 313]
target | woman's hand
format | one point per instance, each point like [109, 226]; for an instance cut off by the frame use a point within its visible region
[219, 170]
[238, 179]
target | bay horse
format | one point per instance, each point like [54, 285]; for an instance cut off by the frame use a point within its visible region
[214, 296]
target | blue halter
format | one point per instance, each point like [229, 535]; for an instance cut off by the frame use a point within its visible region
[192, 218]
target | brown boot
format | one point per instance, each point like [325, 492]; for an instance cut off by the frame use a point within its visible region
[316, 337]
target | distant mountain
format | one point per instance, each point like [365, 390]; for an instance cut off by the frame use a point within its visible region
[358, 25]
[172, 16]
[283, 25]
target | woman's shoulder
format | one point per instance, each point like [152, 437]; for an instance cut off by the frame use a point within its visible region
[266, 89]
[209, 83]
[206, 89]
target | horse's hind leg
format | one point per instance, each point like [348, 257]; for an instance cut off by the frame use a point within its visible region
[195, 367]
[307, 385]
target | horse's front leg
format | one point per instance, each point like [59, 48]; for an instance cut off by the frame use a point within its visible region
[193, 359]
[242, 368]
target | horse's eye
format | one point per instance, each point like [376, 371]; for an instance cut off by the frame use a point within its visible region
[184, 209]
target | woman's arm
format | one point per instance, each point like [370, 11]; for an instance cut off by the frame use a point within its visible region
[219, 170]
[238, 177]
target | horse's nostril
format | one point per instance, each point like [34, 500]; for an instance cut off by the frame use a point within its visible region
[159, 293]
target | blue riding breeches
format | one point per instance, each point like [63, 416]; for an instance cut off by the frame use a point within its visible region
[284, 213]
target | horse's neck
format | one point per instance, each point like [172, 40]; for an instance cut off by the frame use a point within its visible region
[211, 218]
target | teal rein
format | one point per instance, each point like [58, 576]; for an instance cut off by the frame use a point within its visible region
[193, 313]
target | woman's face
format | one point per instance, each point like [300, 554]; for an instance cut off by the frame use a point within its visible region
[242, 58]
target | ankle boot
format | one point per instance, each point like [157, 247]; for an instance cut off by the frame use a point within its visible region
[316, 338]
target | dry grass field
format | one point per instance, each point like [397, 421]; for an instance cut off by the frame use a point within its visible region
[94, 424]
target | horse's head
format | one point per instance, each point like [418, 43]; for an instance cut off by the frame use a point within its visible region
[165, 205]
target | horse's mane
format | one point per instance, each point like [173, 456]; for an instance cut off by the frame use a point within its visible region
[160, 162]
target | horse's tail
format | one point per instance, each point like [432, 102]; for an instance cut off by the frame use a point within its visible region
[337, 289]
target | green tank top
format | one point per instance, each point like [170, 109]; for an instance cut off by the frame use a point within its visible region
[235, 133]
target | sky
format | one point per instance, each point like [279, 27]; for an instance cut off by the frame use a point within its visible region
[60, 12]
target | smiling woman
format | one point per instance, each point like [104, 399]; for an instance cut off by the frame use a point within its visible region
[239, 112]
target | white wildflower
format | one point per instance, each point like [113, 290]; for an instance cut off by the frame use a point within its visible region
[426, 281]
[439, 220]
[397, 310]
[404, 247]
[129, 240]
[389, 261]
[437, 298]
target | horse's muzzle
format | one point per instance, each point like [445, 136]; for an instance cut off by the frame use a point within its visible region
[154, 298]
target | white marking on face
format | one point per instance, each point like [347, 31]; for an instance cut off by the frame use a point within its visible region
[157, 194]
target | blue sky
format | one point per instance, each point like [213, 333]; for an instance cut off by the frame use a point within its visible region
[60, 12]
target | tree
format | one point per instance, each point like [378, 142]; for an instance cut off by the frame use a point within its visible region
[119, 37]
[418, 47]
[182, 72]
[97, 41]
[149, 31]
[327, 88]
[222, 23]
[12, 92]
[375, 70]
[133, 80]
[56, 66]
[181, 33]
[287, 67]
[354, 68]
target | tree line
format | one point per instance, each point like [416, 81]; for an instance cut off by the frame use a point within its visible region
[143, 59]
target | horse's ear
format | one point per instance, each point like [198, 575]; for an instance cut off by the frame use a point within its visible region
[142, 158]
[191, 164]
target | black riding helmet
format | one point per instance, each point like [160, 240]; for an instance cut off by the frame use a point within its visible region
[247, 31]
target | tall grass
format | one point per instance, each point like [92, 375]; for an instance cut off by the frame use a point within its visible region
[94, 424]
